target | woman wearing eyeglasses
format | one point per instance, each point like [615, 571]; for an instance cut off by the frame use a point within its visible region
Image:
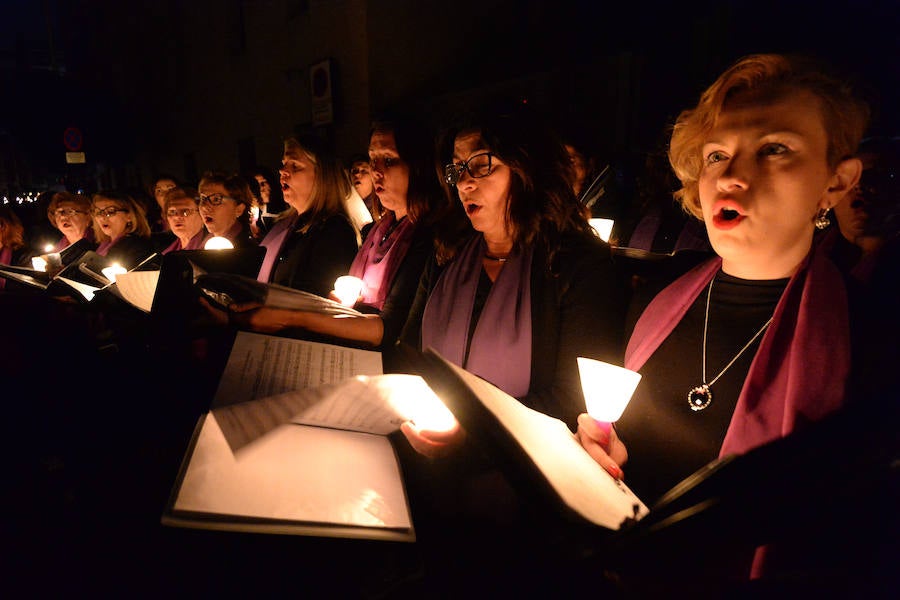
[121, 228]
[531, 287]
[183, 216]
[71, 215]
[225, 201]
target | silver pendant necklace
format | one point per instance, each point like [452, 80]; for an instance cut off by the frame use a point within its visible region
[701, 396]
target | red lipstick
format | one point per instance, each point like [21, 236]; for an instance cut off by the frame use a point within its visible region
[727, 214]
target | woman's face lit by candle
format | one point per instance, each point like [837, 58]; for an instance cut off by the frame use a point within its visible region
[298, 178]
[390, 173]
[485, 199]
[184, 218]
[218, 219]
[71, 220]
[114, 219]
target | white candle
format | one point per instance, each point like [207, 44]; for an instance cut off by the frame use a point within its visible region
[112, 270]
[348, 288]
[218, 243]
[38, 263]
[602, 227]
[607, 389]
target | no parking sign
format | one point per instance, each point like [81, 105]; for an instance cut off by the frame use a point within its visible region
[73, 140]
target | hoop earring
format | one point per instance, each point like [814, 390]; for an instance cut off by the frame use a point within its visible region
[822, 221]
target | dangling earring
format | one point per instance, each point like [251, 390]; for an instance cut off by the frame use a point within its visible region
[822, 221]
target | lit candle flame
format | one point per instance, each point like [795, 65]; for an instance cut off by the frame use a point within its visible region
[38, 263]
[607, 388]
[218, 243]
[348, 288]
[602, 227]
[112, 270]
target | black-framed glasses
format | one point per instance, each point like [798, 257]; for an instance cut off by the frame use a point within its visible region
[109, 212]
[212, 199]
[480, 165]
[180, 212]
[68, 212]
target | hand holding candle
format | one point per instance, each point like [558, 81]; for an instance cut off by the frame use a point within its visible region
[607, 391]
[348, 288]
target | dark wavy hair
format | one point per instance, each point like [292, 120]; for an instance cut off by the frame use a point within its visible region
[415, 145]
[237, 188]
[542, 207]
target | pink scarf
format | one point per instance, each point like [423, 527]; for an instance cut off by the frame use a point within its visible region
[799, 372]
[800, 369]
[195, 243]
[378, 259]
[273, 243]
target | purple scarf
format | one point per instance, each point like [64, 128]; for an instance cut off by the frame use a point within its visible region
[195, 243]
[799, 371]
[803, 360]
[377, 261]
[104, 248]
[273, 242]
[500, 349]
[64, 243]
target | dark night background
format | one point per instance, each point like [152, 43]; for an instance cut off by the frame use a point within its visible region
[178, 85]
[182, 86]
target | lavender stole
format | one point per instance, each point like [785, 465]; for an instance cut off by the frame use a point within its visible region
[273, 242]
[104, 248]
[377, 263]
[195, 243]
[500, 349]
[801, 367]
[61, 245]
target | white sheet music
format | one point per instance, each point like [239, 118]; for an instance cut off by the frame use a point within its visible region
[264, 365]
[299, 474]
[138, 288]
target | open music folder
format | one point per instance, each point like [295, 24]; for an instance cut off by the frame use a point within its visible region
[297, 442]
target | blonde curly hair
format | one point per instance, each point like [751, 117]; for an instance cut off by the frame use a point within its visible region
[765, 76]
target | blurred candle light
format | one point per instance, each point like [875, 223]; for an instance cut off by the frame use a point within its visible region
[348, 288]
[603, 228]
[112, 270]
[48, 248]
[218, 243]
[412, 397]
[607, 390]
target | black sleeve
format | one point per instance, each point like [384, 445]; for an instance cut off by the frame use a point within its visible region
[399, 301]
[329, 250]
[131, 250]
[580, 313]
[411, 334]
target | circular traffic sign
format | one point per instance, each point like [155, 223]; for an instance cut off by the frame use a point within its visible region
[72, 139]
